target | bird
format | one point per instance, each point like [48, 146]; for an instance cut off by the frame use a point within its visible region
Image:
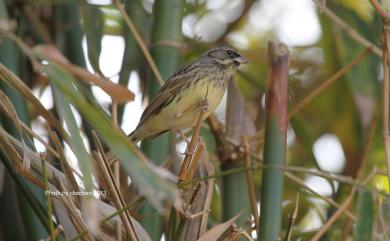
[194, 88]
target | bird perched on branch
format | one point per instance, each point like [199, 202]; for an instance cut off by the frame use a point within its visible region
[198, 86]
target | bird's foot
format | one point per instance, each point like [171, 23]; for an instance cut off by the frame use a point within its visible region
[204, 105]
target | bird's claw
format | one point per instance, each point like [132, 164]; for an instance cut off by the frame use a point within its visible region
[204, 105]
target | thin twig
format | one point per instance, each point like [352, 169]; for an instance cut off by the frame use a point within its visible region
[335, 216]
[291, 219]
[116, 196]
[36, 136]
[197, 156]
[57, 232]
[66, 168]
[73, 212]
[295, 179]
[382, 12]
[114, 111]
[348, 28]
[140, 41]
[328, 83]
[250, 182]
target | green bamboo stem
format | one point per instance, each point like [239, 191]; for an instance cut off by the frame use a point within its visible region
[166, 28]
[29, 214]
[275, 144]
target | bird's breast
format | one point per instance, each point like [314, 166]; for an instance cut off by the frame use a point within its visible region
[186, 108]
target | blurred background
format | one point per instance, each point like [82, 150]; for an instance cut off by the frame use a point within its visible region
[338, 133]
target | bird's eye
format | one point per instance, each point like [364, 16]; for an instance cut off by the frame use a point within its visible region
[232, 54]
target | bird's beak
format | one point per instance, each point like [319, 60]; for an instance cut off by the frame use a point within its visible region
[241, 60]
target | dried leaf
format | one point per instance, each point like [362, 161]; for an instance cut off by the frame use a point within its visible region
[218, 230]
[117, 92]
[11, 79]
[9, 109]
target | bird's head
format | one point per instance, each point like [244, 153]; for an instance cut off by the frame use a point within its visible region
[226, 55]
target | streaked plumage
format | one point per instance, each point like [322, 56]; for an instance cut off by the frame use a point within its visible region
[177, 104]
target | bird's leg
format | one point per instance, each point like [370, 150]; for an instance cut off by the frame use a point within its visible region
[182, 136]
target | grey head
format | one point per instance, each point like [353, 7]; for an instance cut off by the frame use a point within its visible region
[225, 55]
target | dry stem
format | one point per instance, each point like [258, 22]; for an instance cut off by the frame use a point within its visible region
[116, 196]
[291, 219]
[386, 55]
[333, 203]
[335, 216]
[140, 41]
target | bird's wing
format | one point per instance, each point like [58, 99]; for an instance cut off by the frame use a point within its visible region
[168, 91]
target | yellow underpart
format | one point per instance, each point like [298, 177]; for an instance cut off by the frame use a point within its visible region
[183, 113]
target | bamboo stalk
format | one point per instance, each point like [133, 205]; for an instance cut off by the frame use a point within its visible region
[163, 61]
[275, 143]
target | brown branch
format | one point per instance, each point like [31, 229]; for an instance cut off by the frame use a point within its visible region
[382, 12]
[56, 232]
[191, 148]
[335, 216]
[291, 219]
[348, 28]
[325, 85]
[295, 179]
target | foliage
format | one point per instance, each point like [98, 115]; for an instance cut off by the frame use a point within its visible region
[245, 177]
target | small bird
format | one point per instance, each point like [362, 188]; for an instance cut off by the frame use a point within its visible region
[198, 86]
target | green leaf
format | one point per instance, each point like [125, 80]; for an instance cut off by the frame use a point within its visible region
[76, 143]
[142, 173]
[93, 26]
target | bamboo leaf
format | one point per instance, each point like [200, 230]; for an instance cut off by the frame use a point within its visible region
[11, 79]
[218, 230]
[143, 174]
[118, 93]
[93, 26]
[77, 145]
